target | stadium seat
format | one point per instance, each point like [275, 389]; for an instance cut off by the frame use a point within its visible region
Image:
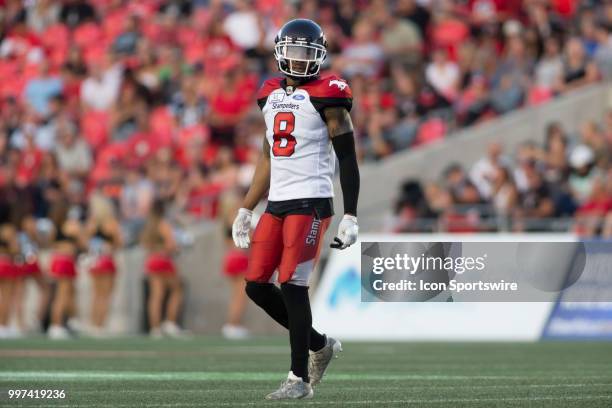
[114, 23]
[187, 135]
[94, 127]
[430, 131]
[56, 37]
[87, 34]
[151, 30]
[538, 95]
[450, 34]
[141, 146]
[95, 53]
[162, 124]
[108, 156]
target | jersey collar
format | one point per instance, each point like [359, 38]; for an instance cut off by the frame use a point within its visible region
[301, 81]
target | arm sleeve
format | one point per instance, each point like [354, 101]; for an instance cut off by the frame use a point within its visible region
[344, 146]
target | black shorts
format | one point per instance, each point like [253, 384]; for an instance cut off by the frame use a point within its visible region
[320, 207]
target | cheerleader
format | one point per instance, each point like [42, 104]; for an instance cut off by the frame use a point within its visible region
[235, 265]
[103, 233]
[158, 239]
[29, 268]
[68, 242]
[8, 274]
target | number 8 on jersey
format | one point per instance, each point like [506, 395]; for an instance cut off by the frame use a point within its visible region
[284, 141]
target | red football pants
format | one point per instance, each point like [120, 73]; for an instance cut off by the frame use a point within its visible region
[290, 244]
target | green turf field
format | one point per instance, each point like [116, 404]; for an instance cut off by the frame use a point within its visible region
[210, 372]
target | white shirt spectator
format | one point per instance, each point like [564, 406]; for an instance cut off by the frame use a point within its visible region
[100, 93]
[443, 77]
[548, 71]
[74, 157]
[243, 29]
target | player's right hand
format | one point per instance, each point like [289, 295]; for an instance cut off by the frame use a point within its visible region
[241, 228]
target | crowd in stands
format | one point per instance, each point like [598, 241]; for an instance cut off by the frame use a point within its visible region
[564, 184]
[162, 91]
[150, 104]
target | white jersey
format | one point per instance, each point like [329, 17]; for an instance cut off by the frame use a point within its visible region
[301, 154]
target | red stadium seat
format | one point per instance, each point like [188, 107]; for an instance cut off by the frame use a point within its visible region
[107, 158]
[430, 131]
[151, 30]
[450, 33]
[95, 53]
[56, 37]
[187, 36]
[162, 124]
[194, 53]
[111, 152]
[141, 146]
[191, 133]
[538, 95]
[94, 127]
[114, 23]
[87, 34]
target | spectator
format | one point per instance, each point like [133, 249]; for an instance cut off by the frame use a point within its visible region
[76, 12]
[188, 107]
[504, 194]
[100, 89]
[244, 27]
[555, 154]
[411, 10]
[591, 215]
[228, 106]
[73, 153]
[125, 44]
[550, 66]
[603, 53]
[584, 172]
[400, 39]
[460, 187]
[443, 74]
[135, 202]
[362, 56]
[42, 88]
[536, 203]
[485, 171]
[130, 112]
[42, 14]
[578, 70]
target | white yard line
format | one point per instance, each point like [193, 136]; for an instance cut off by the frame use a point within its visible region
[366, 388]
[247, 376]
[418, 402]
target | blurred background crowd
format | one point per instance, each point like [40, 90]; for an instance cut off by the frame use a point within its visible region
[563, 185]
[121, 121]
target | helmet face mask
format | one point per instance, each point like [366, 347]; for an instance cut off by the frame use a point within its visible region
[298, 58]
[300, 48]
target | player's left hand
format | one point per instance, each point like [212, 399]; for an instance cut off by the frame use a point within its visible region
[347, 232]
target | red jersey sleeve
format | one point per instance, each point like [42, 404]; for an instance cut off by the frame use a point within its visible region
[330, 91]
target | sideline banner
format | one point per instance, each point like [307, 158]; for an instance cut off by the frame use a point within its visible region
[339, 307]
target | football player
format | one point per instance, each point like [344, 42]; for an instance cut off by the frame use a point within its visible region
[306, 115]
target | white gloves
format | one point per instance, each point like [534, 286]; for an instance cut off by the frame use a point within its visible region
[241, 228]
[347, 232]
